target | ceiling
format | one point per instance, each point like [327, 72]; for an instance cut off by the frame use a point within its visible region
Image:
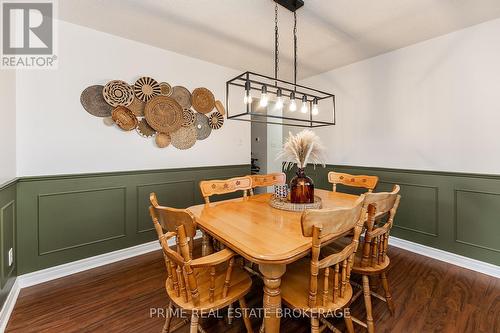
[240, 33]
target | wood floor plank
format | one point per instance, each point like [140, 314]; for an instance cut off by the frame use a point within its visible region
[429, 295]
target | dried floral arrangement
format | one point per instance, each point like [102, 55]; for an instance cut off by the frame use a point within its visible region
[302, 149]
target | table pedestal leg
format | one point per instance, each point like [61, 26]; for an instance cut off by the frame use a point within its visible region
[272, 295]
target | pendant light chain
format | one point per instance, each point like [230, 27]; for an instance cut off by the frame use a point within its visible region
[276, 42]
[295, 47]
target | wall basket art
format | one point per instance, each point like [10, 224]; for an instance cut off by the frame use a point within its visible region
[172, 115]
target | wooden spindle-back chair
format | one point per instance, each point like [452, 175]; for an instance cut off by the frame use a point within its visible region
[329, 288]
[363, 181]
[268, 180]
[207, 283]
[215, 187]
[371, 259]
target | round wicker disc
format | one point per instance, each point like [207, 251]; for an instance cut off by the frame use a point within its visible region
[184, 138]
[215, 120]
[166, 89]
[117, 93]
[163, 140]
[124, 118]
[203, 100]
[203, 129]
[220, 107]
[137, 107]
[144, 129]
[146, 88]
[108, 121]
[93, 102]
[182, 96]
[164, 114]
[188, 118]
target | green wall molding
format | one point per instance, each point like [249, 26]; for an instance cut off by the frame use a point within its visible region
[454, 212]
[8, 214]
[64, 218]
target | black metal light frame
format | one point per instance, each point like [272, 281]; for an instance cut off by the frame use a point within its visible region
[257, 81]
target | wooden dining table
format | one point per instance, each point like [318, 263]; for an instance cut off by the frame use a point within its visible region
[264, 235]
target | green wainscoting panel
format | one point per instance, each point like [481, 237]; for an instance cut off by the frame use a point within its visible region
[455, 212]
[7, 238]
[71, 217]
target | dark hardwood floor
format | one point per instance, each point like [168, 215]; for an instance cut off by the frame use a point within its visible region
[430, 296]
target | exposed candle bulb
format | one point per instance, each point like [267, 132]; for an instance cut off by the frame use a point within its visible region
[279, 100]
[303, 109]
[248, 97]
[315, 109]
[293, 104]
[263, 97]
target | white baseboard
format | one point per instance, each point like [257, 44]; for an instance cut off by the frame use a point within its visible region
[52, 273]
[451, 258]
[9, 304]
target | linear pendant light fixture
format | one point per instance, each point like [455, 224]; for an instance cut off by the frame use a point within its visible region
[259, 98]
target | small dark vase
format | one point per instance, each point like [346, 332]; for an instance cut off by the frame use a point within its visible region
[301, 188]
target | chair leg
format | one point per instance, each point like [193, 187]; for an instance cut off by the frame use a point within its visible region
[246, 318]
[168, 319]
[206, 246]
[314, 324]
[368, 304]
[348, 321]
[388, 297]
[194, 323]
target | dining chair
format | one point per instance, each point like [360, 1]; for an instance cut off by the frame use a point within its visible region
[371, 259]
[202, 285]
[368, 182]
[217, 187]
[170, 218]
[270, 179]
[329, 290]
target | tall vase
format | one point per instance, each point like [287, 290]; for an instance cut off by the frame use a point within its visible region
[301, 188]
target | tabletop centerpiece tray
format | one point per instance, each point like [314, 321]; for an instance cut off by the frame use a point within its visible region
[285, 204]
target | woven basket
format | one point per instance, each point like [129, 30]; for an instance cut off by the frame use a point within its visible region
[277, 203]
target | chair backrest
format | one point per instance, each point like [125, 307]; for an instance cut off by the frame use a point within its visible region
[212, 187]
[180, 266]
[268, 180]
[368, 182]
[332, 223]
[379, 205]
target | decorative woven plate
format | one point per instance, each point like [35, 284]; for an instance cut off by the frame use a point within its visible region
[203, 100]
[182, 96]
[184, 138]
[220, 107]
[146, 88]
[203, 129]
[188, 118]
[117, 93]
[144, 129]
[164, 114]
[275, 202]
[108, 121]
[163, 140]
[124, 118]
[166, 89]
[93, 102]
[137, 107]
[215, 120]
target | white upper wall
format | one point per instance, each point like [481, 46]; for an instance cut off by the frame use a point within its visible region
[430, 106]
[55, 135]
[7, 125]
